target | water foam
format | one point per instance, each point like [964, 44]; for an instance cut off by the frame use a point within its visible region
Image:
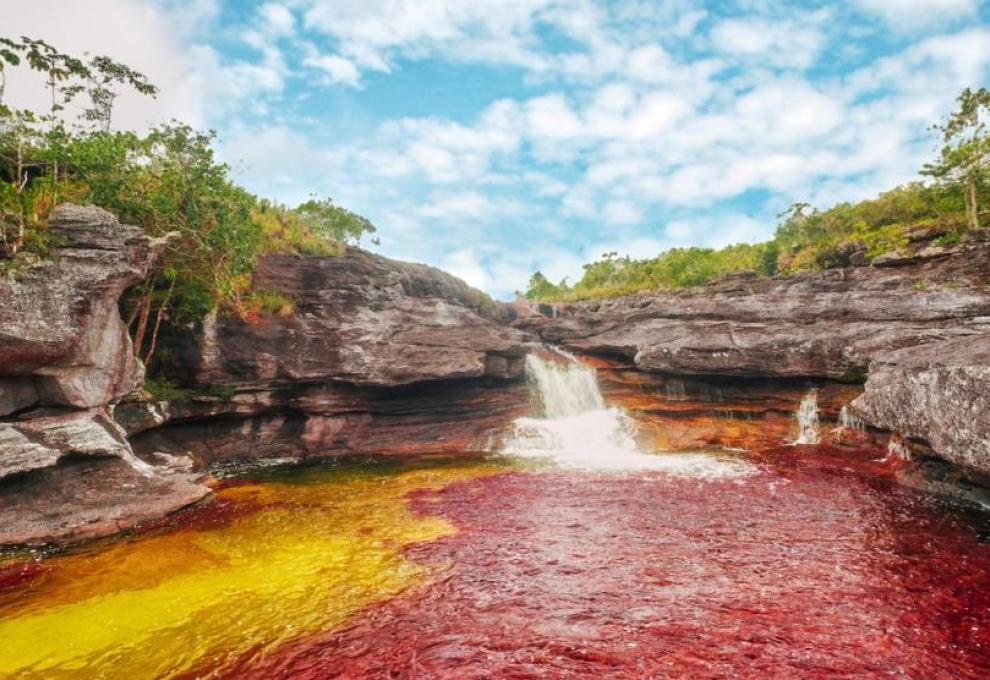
[577, 429]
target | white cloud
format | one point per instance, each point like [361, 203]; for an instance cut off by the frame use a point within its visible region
[465, 264]
[621, 212]
[339, 69]
[782, 43]
[277, 18]
[138, 34]
[917, 13]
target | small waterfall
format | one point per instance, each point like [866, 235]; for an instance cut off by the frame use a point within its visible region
[578, 430]
[807, 417]
[849, 421]
[897, 450]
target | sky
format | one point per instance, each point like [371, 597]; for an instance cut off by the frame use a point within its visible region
[494, 138]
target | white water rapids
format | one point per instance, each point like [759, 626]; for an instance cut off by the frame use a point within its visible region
[578, 430]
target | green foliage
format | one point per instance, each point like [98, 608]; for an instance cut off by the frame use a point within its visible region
[167, 181]
[273, 302]
[805, 239]
[322, 217]
[540, 288]
[965, 154]
[161, 389]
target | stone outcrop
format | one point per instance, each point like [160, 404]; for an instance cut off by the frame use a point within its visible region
[62, 341]
[65, 359]
[827, 325]
[917, 323]
[378, 356]
[359, 318]
[937, 393]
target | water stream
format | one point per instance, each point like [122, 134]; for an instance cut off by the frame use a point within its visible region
[603, 560]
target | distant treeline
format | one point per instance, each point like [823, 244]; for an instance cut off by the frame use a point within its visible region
[812, 239]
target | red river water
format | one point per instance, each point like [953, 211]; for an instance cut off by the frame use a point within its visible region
[817, 566]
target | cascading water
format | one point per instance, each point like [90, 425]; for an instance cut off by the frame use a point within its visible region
[578, 430]
[850, 421]
[807, 417]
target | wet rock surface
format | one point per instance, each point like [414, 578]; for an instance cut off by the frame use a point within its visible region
[86, 498]
[306, 422]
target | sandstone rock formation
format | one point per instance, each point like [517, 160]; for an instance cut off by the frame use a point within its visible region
[938, 393]
[359, 318]
[62, 341]
[827, 325]
[379, 356]
[918, 325]
[65, 358]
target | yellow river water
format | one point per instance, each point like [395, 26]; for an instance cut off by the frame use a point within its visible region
[298, 552]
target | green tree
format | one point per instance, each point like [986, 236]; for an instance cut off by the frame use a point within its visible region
[323, 217]
[965, 151]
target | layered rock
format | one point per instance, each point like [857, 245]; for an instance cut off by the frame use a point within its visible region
[65, 359]
[827, 325]
[62, 341]
[937, 393]
[378, 356]
[361, 319]
[918, 323]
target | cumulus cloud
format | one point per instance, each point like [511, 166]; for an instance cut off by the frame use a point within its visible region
[911, 14]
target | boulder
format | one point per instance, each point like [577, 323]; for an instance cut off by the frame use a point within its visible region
[62, 341]
[936, 393]
[67, 471]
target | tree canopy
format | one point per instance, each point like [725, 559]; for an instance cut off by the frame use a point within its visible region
[166, 180]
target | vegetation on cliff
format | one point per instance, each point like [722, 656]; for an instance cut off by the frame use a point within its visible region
[811, 239]
[166, 180]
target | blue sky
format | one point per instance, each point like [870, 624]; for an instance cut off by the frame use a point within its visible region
[497, 137]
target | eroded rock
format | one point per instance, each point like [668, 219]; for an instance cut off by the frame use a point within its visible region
[359, 318]
[937, 393]
[825, 325]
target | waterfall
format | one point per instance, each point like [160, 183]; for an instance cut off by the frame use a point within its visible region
[807, 417]
[849, 421]
[897, 449]
[578, 430]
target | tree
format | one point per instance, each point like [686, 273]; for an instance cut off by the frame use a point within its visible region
[34, 147]
[965, 151]
[332, 222]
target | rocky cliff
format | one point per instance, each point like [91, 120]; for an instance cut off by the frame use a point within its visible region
[378, 356]
[917, 325]
[66, 468]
